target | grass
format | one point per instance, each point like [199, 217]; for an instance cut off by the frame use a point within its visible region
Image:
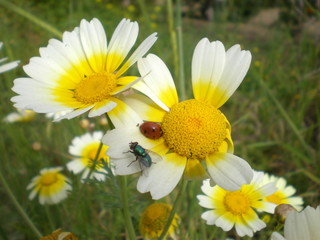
[275, 117]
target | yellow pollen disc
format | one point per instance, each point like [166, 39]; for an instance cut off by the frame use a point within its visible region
[194, 129]
[95, 88]
[154, 219]
[89, 154]
[49, 178]
[277, 198]
[237, 202]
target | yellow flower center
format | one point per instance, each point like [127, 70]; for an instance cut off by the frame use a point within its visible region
[194, 129]
[95, 88]
[277, 198]
[154, 218]
[89, 154]
[49, 178]
[237, 202]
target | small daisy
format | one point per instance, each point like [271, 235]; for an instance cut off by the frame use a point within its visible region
[20, 116]
[51, 185]
[301, 225]
[8, 66]
[84, 150]
[81, 73]
[154, 219]
[236, 208]
[194, 131]
[284, 194]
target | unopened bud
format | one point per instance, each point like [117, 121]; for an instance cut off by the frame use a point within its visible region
[281, 211]
[103, 121]
[36, 146]
[84, 123]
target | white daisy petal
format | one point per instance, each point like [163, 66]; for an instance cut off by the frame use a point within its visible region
[210, 217]
[75, 166]
[236, 67]
[205, 201]
[224, 222]
[139, 52]
[73, 114]
[100, 108]
[243, 230]
[123, 115]
[277, 236]
[207, 66]
[126, 166]
[145, 108]
[94, 42]
[9, 66]
[229, 171]
[121, 42]
[163, 176]
[159, 80]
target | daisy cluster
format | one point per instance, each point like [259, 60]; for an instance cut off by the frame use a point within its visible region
[157, 135]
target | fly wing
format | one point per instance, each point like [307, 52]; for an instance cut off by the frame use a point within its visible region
[155, 157]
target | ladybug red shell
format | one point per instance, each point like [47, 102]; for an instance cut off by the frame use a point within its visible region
[151, 130]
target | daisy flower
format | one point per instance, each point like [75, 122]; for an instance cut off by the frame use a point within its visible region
[284, 194]
[8, 66]
[236, 208]
[301, 225]
[154, 219]
[193, 132]
[20, 116]
[81, 73]
[84, 150]
[51, 185]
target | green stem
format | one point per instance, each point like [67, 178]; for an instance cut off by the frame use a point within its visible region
[173, 39]
[18, 206]
[183, 185]
[125, 207]
[31, 17]
[124, 199]
[182, 87]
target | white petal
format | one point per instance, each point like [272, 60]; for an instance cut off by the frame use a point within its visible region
[277, 236]
[98, 111]
[126, 166]
[243, 230]
[205, 201]
[139, 52]
[207, 66]
[158, 78]
[123, 116]
[122, 40]
[224, 222]
[8, 66]
[74, 114]
[163, 177]
[229, 171]
[207, 188]
[144, 107]
[75, 166]
[210, 217]
[94, 43]
[236, 67]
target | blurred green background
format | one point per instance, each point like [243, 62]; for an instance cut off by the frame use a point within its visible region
[275, 113]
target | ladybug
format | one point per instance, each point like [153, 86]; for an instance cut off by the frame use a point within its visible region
[151, 130]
